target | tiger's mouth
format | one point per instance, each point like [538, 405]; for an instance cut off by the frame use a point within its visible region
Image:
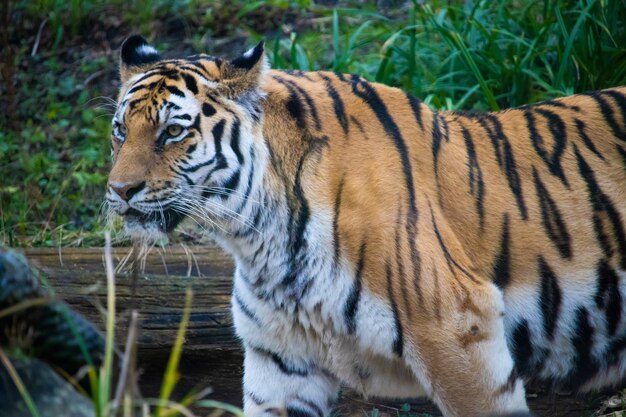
[164, 220]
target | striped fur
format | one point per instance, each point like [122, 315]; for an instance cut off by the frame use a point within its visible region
[381, 245]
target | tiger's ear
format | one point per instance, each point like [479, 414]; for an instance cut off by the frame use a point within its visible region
[243, 74]
[136, 54]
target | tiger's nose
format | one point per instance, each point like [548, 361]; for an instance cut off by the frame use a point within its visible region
[126, 191]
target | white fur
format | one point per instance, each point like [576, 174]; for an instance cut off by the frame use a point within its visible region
[146, 50]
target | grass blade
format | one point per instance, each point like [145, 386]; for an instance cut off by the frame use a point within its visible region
[107, 367]
[336, 41]
[30, 404]
[171, 373]
[570, 42]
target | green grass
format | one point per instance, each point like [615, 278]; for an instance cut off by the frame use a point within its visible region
[481, 55]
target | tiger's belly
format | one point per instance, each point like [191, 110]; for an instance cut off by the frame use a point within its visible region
[370, 374]
[364, 362]
[569, 331]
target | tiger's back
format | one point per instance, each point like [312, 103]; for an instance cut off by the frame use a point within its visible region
[536, 197]
[380, 244]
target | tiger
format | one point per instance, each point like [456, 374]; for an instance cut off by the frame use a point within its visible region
[381, 245]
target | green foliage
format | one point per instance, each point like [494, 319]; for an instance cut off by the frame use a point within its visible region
[480, 55]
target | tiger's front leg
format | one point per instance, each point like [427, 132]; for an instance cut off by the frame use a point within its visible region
[279, 375]
[273, 382]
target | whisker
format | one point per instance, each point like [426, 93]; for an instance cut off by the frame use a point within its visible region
[229, 213]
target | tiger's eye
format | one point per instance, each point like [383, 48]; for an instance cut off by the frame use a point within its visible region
[122, 129]
[174, 130]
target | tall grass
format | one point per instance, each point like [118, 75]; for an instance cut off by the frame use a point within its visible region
[481, 55]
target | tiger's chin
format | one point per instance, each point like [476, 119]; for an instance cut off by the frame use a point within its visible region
[152, 226]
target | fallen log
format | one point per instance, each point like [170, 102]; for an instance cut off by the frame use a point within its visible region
[78, 277]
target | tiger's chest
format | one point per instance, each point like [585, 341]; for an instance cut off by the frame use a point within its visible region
[363, 359]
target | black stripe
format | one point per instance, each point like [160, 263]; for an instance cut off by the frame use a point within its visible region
[436, 144]
[234, 140]
[299, 218]
[620, 100]
[603, 212]
[293, 411]
[417, 110]
[505, 158]
[246, 194]
[245, 309]
[310, 404]
[295, 109]
[282, 364]
[165, 73]
[551, 219]
[175, 91]
[196, 167]
[608, 296]
[191, 149]
[584, 365]
[550, 298]
[298, 73]
[144, 86]
[340, 112]
[208, 110]
[201, 67]
[190, 82]
[448, 256]
[352, 303]
[622, 153]
[202, 74]
[446, 128]
[293, 88]
[196, 124]
[607, 113]
[580, 125]
[135, 102]
[231, 184]
[400, 265]
[509, 386]
[475, 177]
[359, 126]
[365, 91]
[182, 117]
[522, 349]
[341, 76]
[553, 103]
[337, 209]
[501, 272]
[559, 137]
[218, 132]
[398, 341]
[253, 397]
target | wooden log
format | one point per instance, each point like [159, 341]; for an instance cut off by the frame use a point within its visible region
[212, 354]
[78, 276]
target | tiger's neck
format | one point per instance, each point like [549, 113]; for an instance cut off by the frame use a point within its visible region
[273, 238]
[301, 171]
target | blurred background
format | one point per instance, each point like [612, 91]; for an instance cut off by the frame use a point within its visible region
[59, 58]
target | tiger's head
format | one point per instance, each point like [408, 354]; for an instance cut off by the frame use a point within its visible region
[183, 134]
